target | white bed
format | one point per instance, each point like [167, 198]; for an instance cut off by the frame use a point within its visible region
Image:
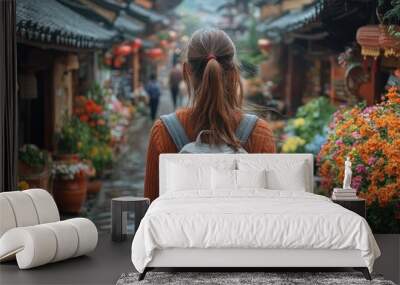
[248, 227]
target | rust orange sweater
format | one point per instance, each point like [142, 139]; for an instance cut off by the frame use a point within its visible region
[260, 141]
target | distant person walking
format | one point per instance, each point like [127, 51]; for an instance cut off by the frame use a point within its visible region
[175, 78]
[153, 91]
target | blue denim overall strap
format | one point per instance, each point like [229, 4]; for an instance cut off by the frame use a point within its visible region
[175, 130]
[245, 127]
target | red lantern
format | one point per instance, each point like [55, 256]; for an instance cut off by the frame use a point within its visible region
[368, 38]
[122, 50]
[136, 44]
[264, 44]
[154, 53]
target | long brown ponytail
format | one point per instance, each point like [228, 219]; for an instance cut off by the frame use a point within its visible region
[213, 80]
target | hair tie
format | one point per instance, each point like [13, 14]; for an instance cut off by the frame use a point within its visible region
[210, 57]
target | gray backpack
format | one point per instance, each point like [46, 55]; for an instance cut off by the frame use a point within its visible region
[183, 144]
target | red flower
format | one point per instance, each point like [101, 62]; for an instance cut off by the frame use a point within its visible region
[98, 109]
[90, 106]
[84, 118]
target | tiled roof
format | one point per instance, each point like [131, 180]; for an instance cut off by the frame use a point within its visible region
[49, 21]
[291, 20]
[128, 25]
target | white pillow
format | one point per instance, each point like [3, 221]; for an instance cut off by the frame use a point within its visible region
[281, 174]
[251, 178]
[182, 177]
[290, 178]
[224, 179]
[227, 179]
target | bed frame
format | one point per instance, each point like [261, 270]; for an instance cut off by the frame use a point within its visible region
[242, 259]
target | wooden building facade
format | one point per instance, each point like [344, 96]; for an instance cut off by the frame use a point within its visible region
[310, 36]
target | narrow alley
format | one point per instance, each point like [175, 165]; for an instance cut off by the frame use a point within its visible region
[126, 178]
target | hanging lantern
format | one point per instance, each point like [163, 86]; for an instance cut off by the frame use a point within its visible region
[154, 53]
[136, 44]
[389, 44]
[264, 44]
[368, 38]
[122, 50]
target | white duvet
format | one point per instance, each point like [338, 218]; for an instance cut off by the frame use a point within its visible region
[256, 218]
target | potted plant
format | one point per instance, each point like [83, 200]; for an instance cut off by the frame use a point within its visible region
[100, 155]
[370, 136]
[72, 137]
[388, 12]
[70, 184]
[70, 173]
[90, 110]
[33, 167]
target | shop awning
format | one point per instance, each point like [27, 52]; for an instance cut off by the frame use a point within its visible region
[292, 20]
[50, 22]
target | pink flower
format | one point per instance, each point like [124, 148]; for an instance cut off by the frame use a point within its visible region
[339, 142]
[356, 135]
[356, 182]
[371, 160]
[369, 110]
[360, 168]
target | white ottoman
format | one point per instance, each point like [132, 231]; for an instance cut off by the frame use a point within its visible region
[31, 230]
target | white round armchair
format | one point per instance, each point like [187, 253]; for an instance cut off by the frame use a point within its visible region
[31, 230]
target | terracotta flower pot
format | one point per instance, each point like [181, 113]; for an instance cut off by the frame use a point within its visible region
[94, 186]
[70, 194]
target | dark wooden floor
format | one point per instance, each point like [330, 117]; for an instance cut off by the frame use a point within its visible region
[103, 266]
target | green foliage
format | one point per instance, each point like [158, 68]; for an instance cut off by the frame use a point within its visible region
[99, 153]
[73, 136]
[390, 9]
[316, 114]
[307, 131]
[97, 94]
[32, 155]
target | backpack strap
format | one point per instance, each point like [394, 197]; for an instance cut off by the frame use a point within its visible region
[175, 130]
[245, 127]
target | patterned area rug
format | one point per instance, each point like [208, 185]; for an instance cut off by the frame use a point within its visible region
[243, 278]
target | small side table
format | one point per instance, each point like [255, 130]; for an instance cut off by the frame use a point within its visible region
[357, 205]
[120, 207]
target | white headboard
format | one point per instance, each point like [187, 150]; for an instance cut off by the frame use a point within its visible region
[214, 159]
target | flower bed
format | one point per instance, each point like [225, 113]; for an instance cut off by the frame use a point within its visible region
[370, 136]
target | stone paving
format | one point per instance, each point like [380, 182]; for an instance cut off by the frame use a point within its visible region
[127, 175]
